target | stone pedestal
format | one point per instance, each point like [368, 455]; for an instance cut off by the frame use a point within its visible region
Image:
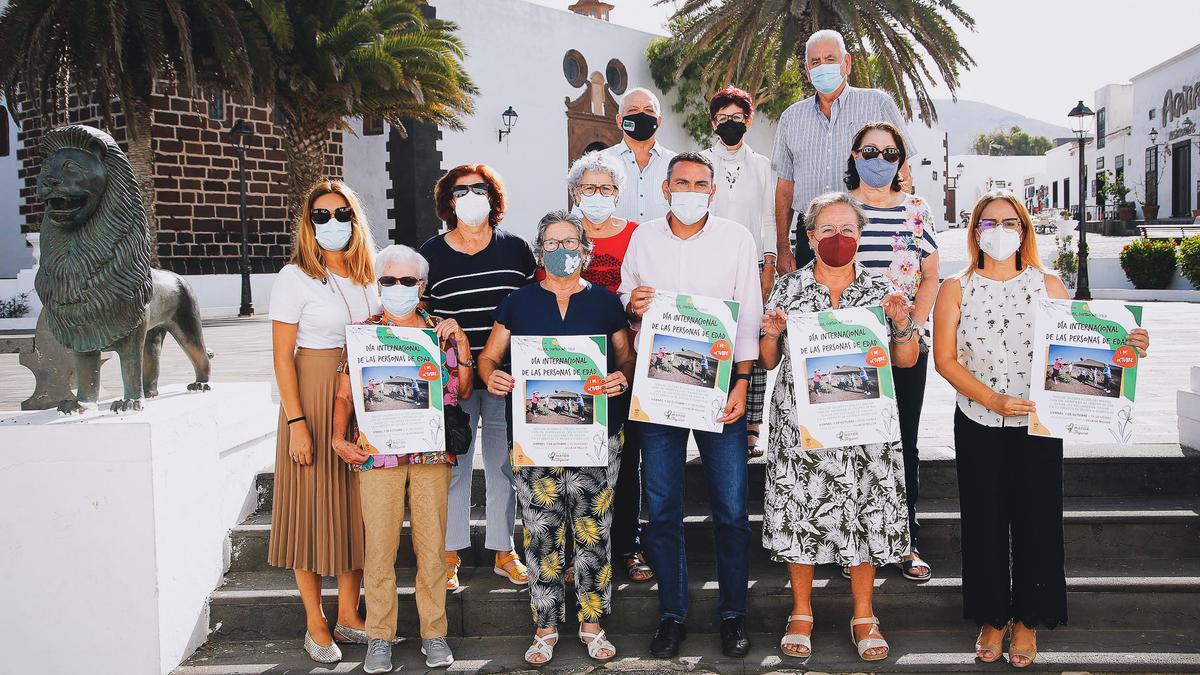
[1187, 404]
[115, 527]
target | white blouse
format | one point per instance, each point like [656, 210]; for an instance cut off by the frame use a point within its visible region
[995, 338]
[321, 308]
[745, 192]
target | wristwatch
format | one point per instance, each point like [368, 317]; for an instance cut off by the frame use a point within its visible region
[741, 376]
[470, 363]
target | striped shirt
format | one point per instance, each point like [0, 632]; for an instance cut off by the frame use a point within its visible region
[642, 199]
[812, 150]
[468, 288]
[896, 241]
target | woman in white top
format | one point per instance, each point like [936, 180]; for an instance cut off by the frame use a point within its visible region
[1009, 482]
[746, 195]
[316, 522]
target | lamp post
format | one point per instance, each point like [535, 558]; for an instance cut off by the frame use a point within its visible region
[1081, 117]
[241, 133]
[509, 117]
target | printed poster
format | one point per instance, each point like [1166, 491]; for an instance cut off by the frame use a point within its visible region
[843, 374]
[397, 381]
[559, 410]
[684, 361]
[1084, 375]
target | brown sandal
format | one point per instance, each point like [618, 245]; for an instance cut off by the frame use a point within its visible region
[635, 564]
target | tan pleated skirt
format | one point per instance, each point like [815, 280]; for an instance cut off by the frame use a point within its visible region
[316, 519]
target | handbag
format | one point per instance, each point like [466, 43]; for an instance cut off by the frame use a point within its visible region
[458, 430]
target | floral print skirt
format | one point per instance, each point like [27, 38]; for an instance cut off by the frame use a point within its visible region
[839, 505]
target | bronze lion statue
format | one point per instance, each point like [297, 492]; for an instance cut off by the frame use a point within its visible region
[95, 282]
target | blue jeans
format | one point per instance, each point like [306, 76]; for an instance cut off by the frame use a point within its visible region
[664, 453]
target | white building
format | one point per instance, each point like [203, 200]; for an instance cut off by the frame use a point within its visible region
[980, 173]
[1166, 100]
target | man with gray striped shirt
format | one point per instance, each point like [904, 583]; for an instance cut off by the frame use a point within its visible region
[812, 141]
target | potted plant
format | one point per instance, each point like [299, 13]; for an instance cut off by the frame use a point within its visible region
[1120, 197]
[1149, 201]
[1066, 261]
[1149, 263]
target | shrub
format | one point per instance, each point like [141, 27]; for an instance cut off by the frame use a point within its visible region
[1149, 263]
[15, 307]
[1066, 262]
[1189, 259]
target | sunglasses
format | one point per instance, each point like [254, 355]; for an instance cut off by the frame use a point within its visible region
[871, 152]
[403, 281]
[462, 190]
[343, 214]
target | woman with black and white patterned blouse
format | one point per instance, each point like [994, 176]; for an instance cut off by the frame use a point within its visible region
[1008, 480]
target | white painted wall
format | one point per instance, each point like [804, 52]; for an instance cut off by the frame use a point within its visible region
[978, 170]
[932, 142]
[1149, 89]
[14, 254]
[115, 529]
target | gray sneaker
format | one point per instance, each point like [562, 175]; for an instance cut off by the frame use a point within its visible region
[437, 652]
[379, 657]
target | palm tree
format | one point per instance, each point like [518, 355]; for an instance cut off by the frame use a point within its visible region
[754, 42]
[98, 51]
[363, 58]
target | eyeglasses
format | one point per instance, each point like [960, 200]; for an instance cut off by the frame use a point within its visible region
[871, 152]
[588, 189]
[403, 281]
[571, 244]
[829, 229]
[1013, 224]
[342, 214]
[462, 190]
[721, 118]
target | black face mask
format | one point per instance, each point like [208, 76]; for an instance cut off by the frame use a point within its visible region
[639, 127]
[731, 132]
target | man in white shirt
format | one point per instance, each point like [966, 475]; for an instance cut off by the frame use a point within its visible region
[692, 251]
[644, 158]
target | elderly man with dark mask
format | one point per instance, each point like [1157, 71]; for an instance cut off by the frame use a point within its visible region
[642, 156]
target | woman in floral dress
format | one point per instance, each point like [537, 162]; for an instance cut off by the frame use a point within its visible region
[838, 505]
[898, 241]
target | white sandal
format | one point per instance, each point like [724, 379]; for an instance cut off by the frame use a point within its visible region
[541, 647]
[869, 642]
[796, 639]
[597, 644]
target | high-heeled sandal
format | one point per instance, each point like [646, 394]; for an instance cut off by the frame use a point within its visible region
[796, 639]
[453, 562]
[869, 642]
[752, 448]
[1029, 656]
[541, 647]
[597, 644]
[996, 648]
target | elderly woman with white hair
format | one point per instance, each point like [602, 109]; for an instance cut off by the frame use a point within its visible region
[644, 158]
[424, 477]
[557, 500]
[836, 505]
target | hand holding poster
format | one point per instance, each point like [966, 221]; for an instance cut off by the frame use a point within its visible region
[1084, 375]
[684, 361]
[843, 375]
[559, 410]
[397, 383]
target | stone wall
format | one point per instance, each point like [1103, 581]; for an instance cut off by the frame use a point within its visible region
[196, 179]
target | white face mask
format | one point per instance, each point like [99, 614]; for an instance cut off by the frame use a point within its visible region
[597, 208]
[472, 209]
[689, 207]
[1000, 243]
[334, 235]
[400, 300]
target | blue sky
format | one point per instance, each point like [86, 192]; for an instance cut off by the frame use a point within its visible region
[547, 387]
[1070, 354]
[827, 363]
[1033, 57]
[380, 373]
[675, 344]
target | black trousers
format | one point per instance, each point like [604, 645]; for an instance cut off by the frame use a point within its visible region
[627, 498]
[910, 397]
[804, 252]
[1011, 498]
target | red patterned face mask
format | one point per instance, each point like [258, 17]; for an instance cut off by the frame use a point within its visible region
[837, 250]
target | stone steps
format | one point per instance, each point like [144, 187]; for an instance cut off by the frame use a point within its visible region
[912, 651]
[1094, 527]
[1131, 594]
[1158, 470]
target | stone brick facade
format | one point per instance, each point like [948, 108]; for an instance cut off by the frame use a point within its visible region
[196, 180]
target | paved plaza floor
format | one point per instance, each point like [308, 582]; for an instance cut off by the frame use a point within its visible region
[243, 353]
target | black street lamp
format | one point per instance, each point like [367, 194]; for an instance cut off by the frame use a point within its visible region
[241, 133]
[1080, 118]
[509, 118]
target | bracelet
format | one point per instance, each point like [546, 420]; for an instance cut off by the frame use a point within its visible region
[296, 419]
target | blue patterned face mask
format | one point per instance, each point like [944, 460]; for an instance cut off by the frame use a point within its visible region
[877, 172]
[562, 263]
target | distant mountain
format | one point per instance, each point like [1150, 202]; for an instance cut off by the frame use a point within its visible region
[964, 120]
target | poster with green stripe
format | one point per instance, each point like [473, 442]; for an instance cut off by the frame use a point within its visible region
[559, 409]
[684, 361]
[397, 381]
[1083, 379]
[842, 369]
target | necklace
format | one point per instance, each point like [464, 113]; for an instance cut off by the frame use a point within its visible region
[337, 288]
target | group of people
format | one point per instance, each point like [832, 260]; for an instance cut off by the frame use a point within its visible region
[827, 222]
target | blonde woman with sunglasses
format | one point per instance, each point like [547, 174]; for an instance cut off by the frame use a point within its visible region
[316, 520]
